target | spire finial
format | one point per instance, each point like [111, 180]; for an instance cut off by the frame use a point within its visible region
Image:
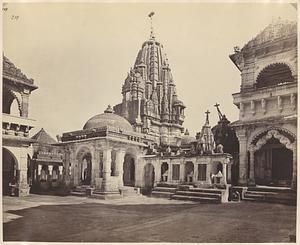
[109, 109]
[151, 27]
[219, 112]
[207, 117]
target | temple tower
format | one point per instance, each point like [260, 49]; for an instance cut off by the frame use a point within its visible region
[150, 102]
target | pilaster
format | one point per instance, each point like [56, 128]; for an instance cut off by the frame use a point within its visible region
[242, 137]
[120, 154]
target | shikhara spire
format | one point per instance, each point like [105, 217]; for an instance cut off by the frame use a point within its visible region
[150, 102]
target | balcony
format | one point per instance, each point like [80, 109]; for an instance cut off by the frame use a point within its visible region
[273, 101]
[16, 126]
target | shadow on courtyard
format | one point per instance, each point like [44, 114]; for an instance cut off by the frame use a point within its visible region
[96, 222]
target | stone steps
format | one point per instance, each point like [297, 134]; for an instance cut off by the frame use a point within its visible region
[105, 195]
[165, 189]
[278, 195]
[199, 194]
[271, 189]
[205, 190]
[163, 184]
[161, 194]
[129, 191]
[80, 190]
[187, 192]
[196, 199]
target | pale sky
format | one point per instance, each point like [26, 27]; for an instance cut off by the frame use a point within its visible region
[79, 54]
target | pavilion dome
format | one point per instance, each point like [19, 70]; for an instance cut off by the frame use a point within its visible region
[108, 118]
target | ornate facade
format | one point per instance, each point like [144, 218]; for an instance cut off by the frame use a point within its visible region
[267, 103]
[16, 143]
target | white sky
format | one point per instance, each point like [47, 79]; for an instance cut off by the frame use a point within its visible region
[79, 54]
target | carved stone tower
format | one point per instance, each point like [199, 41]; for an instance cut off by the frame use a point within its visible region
[150, 102]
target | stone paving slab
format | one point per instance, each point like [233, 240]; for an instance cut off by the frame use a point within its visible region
[19, 203]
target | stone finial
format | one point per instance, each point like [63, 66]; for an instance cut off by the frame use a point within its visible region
[219, 111]
[207, 117]
[109, 109]
[187, 132]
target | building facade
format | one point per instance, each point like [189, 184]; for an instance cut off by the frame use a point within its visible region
[267, 103]
[16, 143]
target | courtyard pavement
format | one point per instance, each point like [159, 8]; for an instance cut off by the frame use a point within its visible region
[143, 219]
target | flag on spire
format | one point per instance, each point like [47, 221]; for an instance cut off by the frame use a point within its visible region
[151, 14]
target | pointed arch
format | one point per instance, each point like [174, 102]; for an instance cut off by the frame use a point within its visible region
[274, 74]
[256, 145]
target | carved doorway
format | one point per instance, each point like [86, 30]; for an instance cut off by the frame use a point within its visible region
[273, 164]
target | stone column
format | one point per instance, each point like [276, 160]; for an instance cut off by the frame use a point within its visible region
[139, 171]
[106, 169]
[22, 183]
[50, 169]
[157, 169]
[95, 167]
[39, 170]
[251, 170]
[170, 172]
[241, 134]
[181, 173]
[229, 172]
[120, 154]
[60, 172]
[294, 176]
[24, 105]
[195, 177]
[224, 166]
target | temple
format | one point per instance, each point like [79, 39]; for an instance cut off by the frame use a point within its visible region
[140, 145]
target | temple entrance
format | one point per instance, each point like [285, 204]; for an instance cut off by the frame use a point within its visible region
[129, 171]
[273, 164]
[164, 171]
[189, 172]
[149, 176]
[9, 172]
[86, 169]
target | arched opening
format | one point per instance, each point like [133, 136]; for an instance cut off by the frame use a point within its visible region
[86, 169]
[274, 74]
[9, 173]
[149, 175]
[189, 172]
[164, 172]
[129, 170]
[84, 159]
[273, 164]
[9, 103]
